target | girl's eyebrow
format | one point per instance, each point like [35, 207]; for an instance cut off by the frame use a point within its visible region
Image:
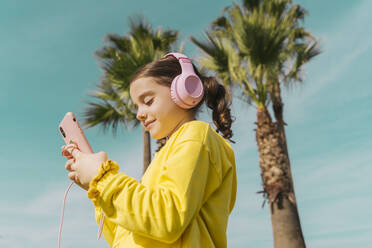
[149, 92]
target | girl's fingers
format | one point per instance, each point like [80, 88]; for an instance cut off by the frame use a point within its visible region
[69, 164]
[72, 176]
[68, 151]
[75, 152]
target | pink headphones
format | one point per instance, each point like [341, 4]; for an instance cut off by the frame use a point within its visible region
[187, 88]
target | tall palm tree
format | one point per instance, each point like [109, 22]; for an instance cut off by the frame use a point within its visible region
[257, 46]
[120, 59]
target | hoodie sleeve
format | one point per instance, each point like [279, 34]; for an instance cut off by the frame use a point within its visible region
[162, 212]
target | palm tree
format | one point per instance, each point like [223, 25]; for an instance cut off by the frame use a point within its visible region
[256, 47]
[120, 59]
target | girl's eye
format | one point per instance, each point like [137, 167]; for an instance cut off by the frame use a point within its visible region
[149, 102]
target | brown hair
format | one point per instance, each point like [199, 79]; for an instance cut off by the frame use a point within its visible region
[215, 96]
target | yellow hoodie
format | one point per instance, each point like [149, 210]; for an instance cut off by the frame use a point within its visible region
[183, 200]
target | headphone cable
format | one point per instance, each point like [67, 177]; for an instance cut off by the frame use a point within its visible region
[102, 220]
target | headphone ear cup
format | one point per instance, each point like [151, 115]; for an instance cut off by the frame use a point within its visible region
[187, 91]
[173, 91]
[194, 89]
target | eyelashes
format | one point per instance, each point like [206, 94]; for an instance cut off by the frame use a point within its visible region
[149, 102]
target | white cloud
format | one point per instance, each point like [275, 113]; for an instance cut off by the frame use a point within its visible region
[36, 222]
[341, 48]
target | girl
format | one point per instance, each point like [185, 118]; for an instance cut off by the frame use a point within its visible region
[188, 191]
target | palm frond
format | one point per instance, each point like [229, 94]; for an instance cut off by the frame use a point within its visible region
[261, 39]
[120, 57]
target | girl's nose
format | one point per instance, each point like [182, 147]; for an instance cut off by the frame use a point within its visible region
[140, 115]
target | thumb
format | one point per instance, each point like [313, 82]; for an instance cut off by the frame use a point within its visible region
[76, 153]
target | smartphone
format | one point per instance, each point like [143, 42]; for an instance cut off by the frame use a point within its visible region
[72, 133]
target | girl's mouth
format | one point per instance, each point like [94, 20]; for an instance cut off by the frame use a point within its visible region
[149, 125]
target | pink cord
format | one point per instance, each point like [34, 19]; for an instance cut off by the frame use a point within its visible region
[63, 210]
[102, 220]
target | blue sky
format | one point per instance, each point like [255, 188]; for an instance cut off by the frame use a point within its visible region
[48, 68]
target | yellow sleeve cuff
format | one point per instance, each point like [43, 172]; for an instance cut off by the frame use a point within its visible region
[105, 173]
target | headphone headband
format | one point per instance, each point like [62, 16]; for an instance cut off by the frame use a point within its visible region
[184, 61]
[176, 55]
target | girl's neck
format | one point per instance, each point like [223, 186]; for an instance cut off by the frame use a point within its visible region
[167, 137]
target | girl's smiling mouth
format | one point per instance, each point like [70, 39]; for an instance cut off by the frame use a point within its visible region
[149, 123]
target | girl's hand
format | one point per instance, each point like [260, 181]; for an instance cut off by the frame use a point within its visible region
[83, 167]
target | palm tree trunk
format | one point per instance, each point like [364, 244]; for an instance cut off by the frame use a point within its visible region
[278, 112]
[277, 185]
[146, 149]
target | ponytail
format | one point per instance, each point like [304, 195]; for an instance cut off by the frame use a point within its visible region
[220, 102]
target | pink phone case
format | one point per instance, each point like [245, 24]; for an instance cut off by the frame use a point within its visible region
[72, 133]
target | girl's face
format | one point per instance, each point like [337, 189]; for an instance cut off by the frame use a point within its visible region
[153, 103]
